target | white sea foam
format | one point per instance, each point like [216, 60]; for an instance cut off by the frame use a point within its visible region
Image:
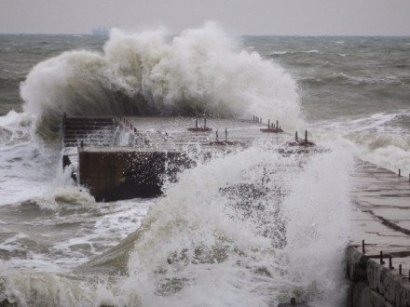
[378, 138]
[291, 52]
[280, 52]
[25, 167]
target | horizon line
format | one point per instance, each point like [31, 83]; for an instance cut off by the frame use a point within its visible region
[255, 35]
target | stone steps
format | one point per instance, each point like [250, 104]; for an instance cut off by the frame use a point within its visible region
[89, 131]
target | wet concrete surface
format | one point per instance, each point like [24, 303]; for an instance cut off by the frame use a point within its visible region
[381, 213]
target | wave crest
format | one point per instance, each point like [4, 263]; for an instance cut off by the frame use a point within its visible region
[150, 73]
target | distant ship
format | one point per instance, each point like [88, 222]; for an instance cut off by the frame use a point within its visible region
[101, 31]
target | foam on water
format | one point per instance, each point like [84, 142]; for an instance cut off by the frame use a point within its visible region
[61, 238]
[25, 166]
[381, 138]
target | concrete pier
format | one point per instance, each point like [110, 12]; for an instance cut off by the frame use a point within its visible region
[380, 226]
[128, 157]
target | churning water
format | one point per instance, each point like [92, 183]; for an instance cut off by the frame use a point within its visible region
[249, 228]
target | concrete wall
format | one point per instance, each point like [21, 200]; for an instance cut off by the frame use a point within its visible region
[116, 174]
[373, 284]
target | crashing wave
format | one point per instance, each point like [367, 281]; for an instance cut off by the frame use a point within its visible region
[149, 73]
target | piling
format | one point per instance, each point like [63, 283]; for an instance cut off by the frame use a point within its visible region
[391, 262]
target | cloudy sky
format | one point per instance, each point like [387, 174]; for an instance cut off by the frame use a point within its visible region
[277, 17]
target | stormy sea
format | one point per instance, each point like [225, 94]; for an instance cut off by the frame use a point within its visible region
[251, 227]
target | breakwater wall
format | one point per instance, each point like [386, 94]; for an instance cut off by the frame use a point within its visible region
[374, 281]
[378, 259]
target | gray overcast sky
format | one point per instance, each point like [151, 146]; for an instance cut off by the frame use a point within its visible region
[278, 17]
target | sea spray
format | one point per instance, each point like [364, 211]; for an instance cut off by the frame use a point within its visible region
[199, 71]
[318, 226]
[198, 247]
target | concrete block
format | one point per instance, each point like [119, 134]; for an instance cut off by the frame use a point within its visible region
[402, 292]
[393, 288]
[373, 275]
[359, 295]
[388, 281]
[396, 289]
[355, 264]
[377, 300]
[115, 174]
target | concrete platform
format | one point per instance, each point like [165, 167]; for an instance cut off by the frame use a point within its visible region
[174, 133]
[381, 217]
[139, 151]
[382, 213]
